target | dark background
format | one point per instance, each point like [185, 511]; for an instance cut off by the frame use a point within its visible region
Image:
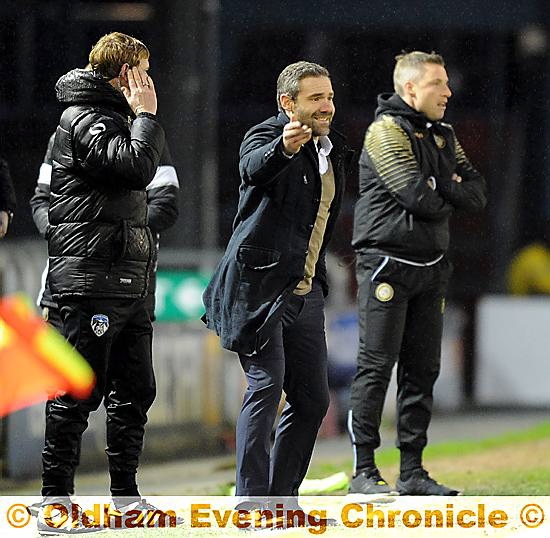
[215, 65]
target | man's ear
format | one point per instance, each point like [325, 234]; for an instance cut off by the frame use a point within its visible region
[286, 102]
[409, 88]
[123, 74]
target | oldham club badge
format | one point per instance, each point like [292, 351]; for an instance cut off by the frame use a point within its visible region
[384, 292]
[100, 324]
[439, 141]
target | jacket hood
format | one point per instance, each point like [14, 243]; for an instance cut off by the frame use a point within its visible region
[392, 104]
[81, 86]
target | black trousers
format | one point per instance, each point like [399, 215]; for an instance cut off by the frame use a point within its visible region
[53, 317]
[400, 320]
[121, 359]
[294, 360]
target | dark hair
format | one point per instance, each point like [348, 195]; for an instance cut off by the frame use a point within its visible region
[288, 81]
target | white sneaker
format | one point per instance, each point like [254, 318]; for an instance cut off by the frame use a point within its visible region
[142, 514]
[61, 516]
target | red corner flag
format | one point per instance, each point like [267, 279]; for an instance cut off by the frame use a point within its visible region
[36, 362]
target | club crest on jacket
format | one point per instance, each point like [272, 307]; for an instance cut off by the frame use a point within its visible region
[384, 292]
[439, 141]
[100, 324]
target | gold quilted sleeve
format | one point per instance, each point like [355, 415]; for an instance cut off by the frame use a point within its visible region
[390, 151]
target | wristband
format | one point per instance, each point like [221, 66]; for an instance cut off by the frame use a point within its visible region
[145, 114]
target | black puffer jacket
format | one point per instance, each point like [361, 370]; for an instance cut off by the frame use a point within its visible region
[98, 241]
[162, 212]
[400, 210]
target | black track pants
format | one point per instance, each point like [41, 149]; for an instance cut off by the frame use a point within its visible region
[400, 320]
[121, 359]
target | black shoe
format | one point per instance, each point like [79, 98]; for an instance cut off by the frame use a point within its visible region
[421, 483]
[369, 483]
[141, 514]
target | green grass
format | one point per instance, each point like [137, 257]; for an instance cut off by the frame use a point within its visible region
[510, 464]
[462, 448]
[532, 482]
[450, 456]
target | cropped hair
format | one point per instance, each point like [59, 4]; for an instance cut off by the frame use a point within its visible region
[288, 81]
[410, 66]
[114, 50]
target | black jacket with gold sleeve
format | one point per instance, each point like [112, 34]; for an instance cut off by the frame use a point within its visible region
[406, 194]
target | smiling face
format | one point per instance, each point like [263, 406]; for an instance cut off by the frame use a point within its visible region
[313, 106]
[430, 93]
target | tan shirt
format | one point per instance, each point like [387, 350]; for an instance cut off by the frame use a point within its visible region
[328, 190]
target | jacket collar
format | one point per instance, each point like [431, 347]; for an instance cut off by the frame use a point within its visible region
[81, 87]
[394, 105]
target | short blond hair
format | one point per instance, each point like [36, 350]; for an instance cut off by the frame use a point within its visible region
[410, 66]
[114, 50]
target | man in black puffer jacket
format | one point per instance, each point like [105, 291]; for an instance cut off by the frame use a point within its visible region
[413, 175]
[106, 151]
[162, 213]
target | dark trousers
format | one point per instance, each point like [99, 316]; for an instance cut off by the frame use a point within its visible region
[400, 320]
[121, 360]
[52, 315]
[294, 360]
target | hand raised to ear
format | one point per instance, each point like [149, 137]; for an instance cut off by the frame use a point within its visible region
[140, 94]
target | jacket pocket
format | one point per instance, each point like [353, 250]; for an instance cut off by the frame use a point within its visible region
[138, 244]
[257, 284]
[379, 268]
[258, 258]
